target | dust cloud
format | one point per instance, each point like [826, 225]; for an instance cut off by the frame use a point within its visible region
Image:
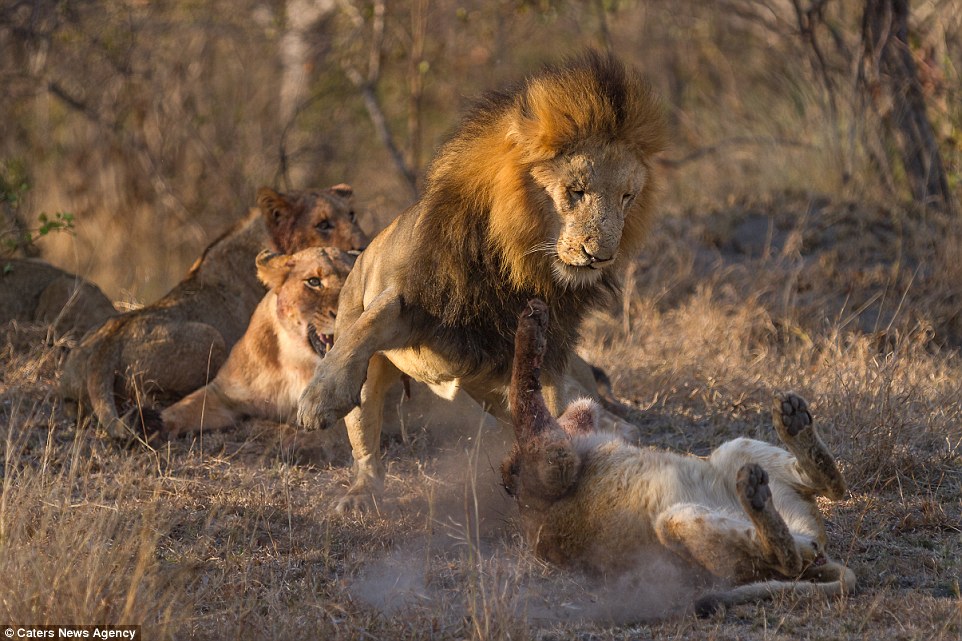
[469, 559]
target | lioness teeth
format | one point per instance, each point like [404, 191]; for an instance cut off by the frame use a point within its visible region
[319, 342]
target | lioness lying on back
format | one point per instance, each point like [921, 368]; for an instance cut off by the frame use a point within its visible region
[746, 514]
[289, 333]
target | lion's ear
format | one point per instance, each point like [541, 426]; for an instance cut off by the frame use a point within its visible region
[343, 190]
[272, 268]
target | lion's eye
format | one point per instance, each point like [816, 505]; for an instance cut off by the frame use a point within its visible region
[576, 194]
[627, 199]
[324, 226]
[353, 216]
[314, 282]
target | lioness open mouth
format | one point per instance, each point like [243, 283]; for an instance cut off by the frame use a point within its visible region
[319, 342]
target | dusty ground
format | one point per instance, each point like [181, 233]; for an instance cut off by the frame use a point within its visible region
[229, 536]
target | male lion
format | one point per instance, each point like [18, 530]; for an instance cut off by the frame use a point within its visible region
[176, 345]
[545, 191]
[746, 514]
[289, 333]
[33, 290]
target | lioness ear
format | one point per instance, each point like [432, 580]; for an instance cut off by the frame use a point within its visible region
[343, 190]
[272, 204]
[580, 417]
[272, 268]
[341, 261]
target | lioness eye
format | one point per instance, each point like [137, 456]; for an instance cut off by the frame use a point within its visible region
[314, 282]
[324, 225]
[352, 215]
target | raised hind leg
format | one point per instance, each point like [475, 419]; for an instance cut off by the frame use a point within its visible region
[774, 538]
[748, 547]
[815, 463]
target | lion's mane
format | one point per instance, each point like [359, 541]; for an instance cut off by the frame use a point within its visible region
[482, 215]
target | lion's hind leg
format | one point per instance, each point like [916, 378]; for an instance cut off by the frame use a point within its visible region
[723, 543]
[777, 546]
[364, 431]
[794, 424]
[731, 546]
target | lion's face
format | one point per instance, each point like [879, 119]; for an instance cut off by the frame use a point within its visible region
[312, 218]
[307, 285]
[592, 193]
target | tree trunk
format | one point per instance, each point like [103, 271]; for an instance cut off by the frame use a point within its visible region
[301, 16]
[888, 74]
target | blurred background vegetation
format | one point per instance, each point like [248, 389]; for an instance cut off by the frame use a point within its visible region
[152, 123]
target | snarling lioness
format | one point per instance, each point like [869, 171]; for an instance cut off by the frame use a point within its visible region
[170, 348]
[289, 333]
[746, 513]
[545, 190]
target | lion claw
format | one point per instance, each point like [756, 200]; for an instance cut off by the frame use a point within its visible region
[356, 504]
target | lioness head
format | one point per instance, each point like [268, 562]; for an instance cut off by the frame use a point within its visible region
[312, 218]
[307, 285]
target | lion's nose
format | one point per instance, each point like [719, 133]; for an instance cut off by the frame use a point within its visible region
[592, 258]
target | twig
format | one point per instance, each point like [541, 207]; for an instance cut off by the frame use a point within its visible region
[376, 114]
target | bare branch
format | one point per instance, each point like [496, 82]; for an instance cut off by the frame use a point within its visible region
[376, 114]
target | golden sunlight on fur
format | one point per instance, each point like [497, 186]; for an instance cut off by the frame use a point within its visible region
[289, 333]
[746, 514]
[163, 351]
[545, 191]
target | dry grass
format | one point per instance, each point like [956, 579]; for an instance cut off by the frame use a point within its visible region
[227, 537]
[853, 304]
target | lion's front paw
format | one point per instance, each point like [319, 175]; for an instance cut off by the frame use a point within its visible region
[357, 504]
[362, 497]
[324, 402]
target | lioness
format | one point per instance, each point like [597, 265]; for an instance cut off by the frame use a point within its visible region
[176, 345]
[545, 191]
[33, 290]
[289, 333]
[746, 514]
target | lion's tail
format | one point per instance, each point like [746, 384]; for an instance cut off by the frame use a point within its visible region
[715, 602]
[528, 410]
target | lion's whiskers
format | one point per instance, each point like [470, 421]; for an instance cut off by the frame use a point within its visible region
[547, 248]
